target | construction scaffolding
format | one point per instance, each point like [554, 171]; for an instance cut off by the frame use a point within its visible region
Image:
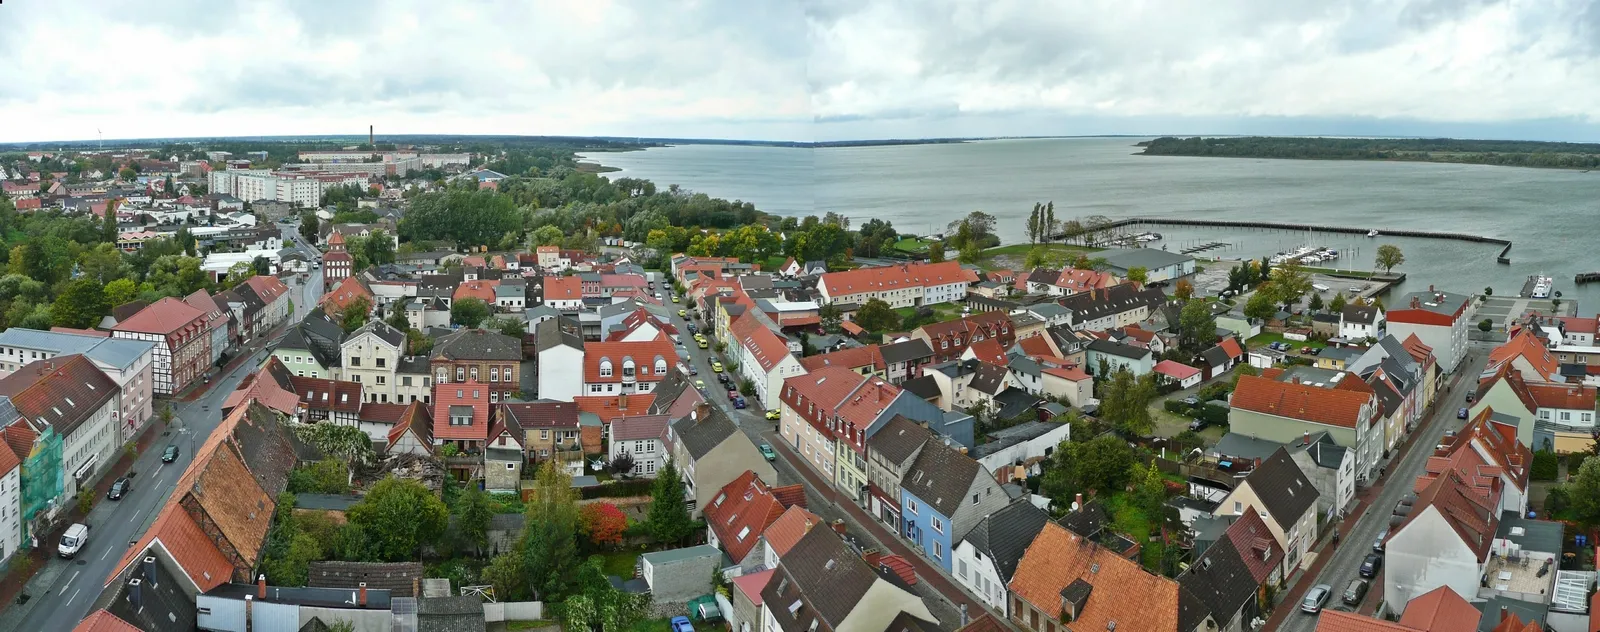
[42, 481]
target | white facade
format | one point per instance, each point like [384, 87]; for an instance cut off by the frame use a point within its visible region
[1449, 343]
[370, 361]
[90, 448]
[560, 373]
[768, 382]
[1356, 331]
[649, 455]
[947, 293]
[1022, 451]
[977, 573]
[1427, 554]
[10, 513]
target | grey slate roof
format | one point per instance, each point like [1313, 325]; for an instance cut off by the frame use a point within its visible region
[1005, 535]
[477, 344]
[558, 331]
[925, 387]
[1088, 520]
[989, 379]
[117, 352]
[414, 364]
[1359, 314]
[395, 577]
[824, 575]
[1116, 299]
[701, 436]
[1118, 349]
[1441, 302]
[450, 614]
[383, 331]
[1008, 437]
[1151, 258]
[899, 439]
[1220, 579]
[1216, 356]
[1282, 488]
[940, 477]
[1015, 403]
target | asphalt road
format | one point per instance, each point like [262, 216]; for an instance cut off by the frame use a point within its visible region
[115, 524]
[1352, 549]
[305, 295]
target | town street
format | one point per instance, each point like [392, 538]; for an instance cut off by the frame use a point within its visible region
[1356, 543]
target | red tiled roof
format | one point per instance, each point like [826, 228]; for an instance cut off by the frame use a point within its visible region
[469, 393]
[1073, 374]
[893, 277]
[644, 354]
[414, 419]
[750, 584]
[1567, 396]
[1465, 508]
[64, 391]
[103, 621]
[544, 414]
[346, 292]
[1176, 370]
[166, 316]
[1122, 591]
[610, 407]
[19, 437]
[823, 389]
[260, 387]
[269, 288]
[639, 427]
[1253, 541]
[1304, 402]
[1231, 346]
[741, 511]
[1038, 345]
[866, 404]
[1419, 351]
[318, 393]
[563, 288]
[1440, 610]
[482, 290]
[988, 351]
[852, 358]
[1482, 451]
[383, 413]
[900, 567]
[8, 457]
[1335, 621]
[851, 328]
[787, 530]
[766, 347]
[1513, 623]
[1528, 347]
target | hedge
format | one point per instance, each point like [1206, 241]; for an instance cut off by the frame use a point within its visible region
[618, 489]
[1176, 406]
[1545, 466]
[1212, 414]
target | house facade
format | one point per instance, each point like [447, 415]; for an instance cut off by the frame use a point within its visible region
[1285, 500]
[944, 495]
[903, 285]
[1283, 412]
[183, 342]
[1437, 318]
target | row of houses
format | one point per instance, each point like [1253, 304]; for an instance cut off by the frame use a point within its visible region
[193, 333]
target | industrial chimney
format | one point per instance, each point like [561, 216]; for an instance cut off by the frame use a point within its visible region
[370, 137]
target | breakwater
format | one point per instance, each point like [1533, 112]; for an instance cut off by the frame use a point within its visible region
[1503, 257]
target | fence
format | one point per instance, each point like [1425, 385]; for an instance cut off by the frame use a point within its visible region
[513, 611]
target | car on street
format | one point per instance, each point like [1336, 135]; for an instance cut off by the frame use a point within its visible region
[767, 452]
[1377, 544]
[739, 403]
[73, 540]
[675, 299]
[700, 384]
[1305, 350]
[1461, 414]
[692, 328]
[1315, 598]
[1355, 591]
[693, 370]
[170, 454]
[683, 314]
[1469, 397]
[681, 624]
[774, 415]
[702, 343]
[1370, 565]
[119, 488]
[716, 365]
[733, 395]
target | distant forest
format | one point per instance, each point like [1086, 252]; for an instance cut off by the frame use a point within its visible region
[1509, 153]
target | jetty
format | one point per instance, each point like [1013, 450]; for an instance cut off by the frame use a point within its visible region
[1586, 277]
[1504, 256]
[1204, 247]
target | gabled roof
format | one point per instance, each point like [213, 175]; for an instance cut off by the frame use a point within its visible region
[383, 331]
[1115, 589]
[1360, 314]
[989, 379]
[1284, 490]
[760, 343]
[543, 414]
[899, 439]
[700, 433]
[470, 395]
[893, 277]
[741, 511]
[1465, 509]
[1566, 396]
[1004, 535]
[64, 391]
[852, 358]
[1440, 610]
[1230, 572]
[1176, 370]
[940, 476]
[166, 316]
[416, 420]
[639, 427]
[824, 580]
[905, 351]
[1332, 407]
[795, 522]
[1119, 349]
[324, 394]
[477, 344]
[647, 355]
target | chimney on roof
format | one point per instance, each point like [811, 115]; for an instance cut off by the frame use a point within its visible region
[133, 593]
[1430, 288]
[1504, 613]
[361, 599]
[416, 586]
[1077, 502]
[701, 410]
[1416, 303]
[150, 569]
[622, 401]
[1306, 440]
[838, 527]
[261, 586]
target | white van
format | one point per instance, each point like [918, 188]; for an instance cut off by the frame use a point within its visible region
[1320, 287]
[73, 540]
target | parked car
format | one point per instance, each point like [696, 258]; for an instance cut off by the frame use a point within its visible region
[1315, 598]
[733, 395]
[1305, 350]
[1461, 414]
[691, 327]
[716, 365]
[170, 454]
[1355, 591]
[1191, 401]
[1197, 424]
[700, 384]
[73, 540]
[774, 415]
[1317, 351]
[1469, 397]
[119, 488]
[681, 624]
[683, 314]
[767, 452]
[675, 299]
[739, 403]
[1377, 545]
[1370, 565]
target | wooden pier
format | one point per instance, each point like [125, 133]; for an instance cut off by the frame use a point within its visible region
[1503, 257]
[1586, 277]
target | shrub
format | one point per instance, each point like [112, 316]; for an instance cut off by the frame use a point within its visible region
[1485, 325]
[1176, 407]
[1545, 466]
[618, 489]
[1212, 414]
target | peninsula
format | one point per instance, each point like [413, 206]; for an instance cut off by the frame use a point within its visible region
[1508, 153]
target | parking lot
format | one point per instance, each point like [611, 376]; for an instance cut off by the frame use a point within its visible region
[1500, 310]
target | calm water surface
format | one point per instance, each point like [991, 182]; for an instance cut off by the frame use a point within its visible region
[1551, 215]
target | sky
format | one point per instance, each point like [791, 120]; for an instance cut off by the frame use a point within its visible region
[801, 69]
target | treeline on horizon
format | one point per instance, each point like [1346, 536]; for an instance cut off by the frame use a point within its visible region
[1509, 153]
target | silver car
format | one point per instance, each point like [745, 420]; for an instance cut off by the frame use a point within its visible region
[1315, 598]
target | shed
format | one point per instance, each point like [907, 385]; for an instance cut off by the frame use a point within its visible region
[678, 575]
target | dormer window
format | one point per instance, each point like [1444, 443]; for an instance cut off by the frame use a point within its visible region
[605, 367]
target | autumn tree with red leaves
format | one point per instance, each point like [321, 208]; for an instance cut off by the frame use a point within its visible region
[602, 523]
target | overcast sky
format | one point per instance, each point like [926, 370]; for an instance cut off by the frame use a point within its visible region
[801, 69]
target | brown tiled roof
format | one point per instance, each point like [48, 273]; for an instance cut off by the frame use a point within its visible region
[1325, 406]
[1568, 396]
[741, 512]
[1527, 346]
[102, 621]
[1122, 592]
[64, 391]
[851, 358]
[1464, 508]
[166, 316]
[544, 414]
[883, 278]
[639, 427]
[985, 622]
[395, 577]
[1335, 621]
[267, 288]
[1440, 610]
[794, 523]
[383, 413]
[19, 437]
[1254, 542]
[324, 394]
[415, 419]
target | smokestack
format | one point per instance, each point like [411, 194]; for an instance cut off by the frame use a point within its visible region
[133, 593]
[150, 569]
[362, 599]
[1430, 288]
[1077, 502]
[838, 527]
[261, 586]
[370, 138]
[1306, 440]
[1504, 612]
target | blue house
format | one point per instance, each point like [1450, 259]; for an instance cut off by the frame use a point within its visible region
[943, 495]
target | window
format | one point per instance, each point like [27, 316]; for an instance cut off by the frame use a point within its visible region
[474, 373]
[494, 374]
[938, 550]
[544, 434]
[743, 532]
[494, 396]
[511, 466]
[911, 506]
[355, 360]
[405, 381]
[1238, 507]
[938, 525]
[444, 377]
[974, 499]
[461, 374]
[381, 363]
[381, 379]
[961, 569]
[1566, 416]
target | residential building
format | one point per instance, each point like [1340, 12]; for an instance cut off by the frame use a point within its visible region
[559, 345]
[311, 348]
[1359, 322]
[1486, 449]
[1439, 319]
[1286, 501]
[821, 584]
[1072, 384]
[1329, 466]
[737, 518]
[461, 414]
[1183, 375]
[1556, 417]
[1229, 579]
[10, 503]
[866, 360]
[1024, 446]
[183, 342]
[370, 356]
[1160, 266]
[1062, 577]
[814, 406]
[412, 434]
[1438, 610]
[337, 264]
[503, 455]
[1113, 307]
[564, 293]
[1444, 540]
[1067, 282]
[710, 452]
[890, 453]
[986, 559]
[75, 399]
[626, 368]
[764, 358]
[218, 322]
[903, 285]
[127, 362]
[551, 430]
[336, 401]
[944, 495]
[491, 359]
[949, 340]
[1105, 355]
[642, 438]
[1265, 408]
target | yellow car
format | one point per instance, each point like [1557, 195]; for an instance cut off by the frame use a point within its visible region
[683, 314]
[773, 415]
[716, 366]
[703, 344]
[675, 299]
[700, 384]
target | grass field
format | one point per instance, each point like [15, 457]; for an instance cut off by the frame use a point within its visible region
[1011, 257]
[912, 244]
[941, 312]
[1264, 339]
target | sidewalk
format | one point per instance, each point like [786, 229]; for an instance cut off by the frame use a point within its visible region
[928, 573]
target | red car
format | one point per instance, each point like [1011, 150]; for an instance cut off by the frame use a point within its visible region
[732, 395]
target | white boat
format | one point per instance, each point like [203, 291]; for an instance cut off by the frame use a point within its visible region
[1372, 233]
[1542, 287]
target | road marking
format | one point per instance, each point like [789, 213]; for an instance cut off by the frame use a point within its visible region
[103, 555]
[74, 576]
[133, 518]
[74, 596]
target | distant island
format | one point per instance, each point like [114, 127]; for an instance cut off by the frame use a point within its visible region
[1507, 153]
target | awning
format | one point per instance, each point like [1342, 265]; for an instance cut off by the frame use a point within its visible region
[88, 466]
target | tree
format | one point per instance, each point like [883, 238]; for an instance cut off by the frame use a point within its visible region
[261, 265]
[1316, 303]
[831, 318]
[1038, 257]
[237, 274]
[121, 291]
[1584, 493]
[513, 327]
[398, 516]
[108, 223]
[127, 174]
[1197, 328]
[546, 236]
[81, 305]
[1485, 325]
[1183, 290]
[1126, 404]
[1389, 256]
[469, 312]
[397, 318]
[1261, 305]
[876, 315]
[1101, 464]
[473, 517]
[1488, 291]
[1049, 221]
[1289, 283]
[355, 314]
[621, 464]
[602, 523]
[971, 251]
[310, 226]
[1336, 305]
[504, 572]
[936, 252]
[1150, 495]
[1138, 274]
[1034, 228]
[346, 443]
[328, 476]
[668, 519]
[549, 539]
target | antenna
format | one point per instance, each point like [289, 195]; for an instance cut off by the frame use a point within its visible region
[102, 137]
